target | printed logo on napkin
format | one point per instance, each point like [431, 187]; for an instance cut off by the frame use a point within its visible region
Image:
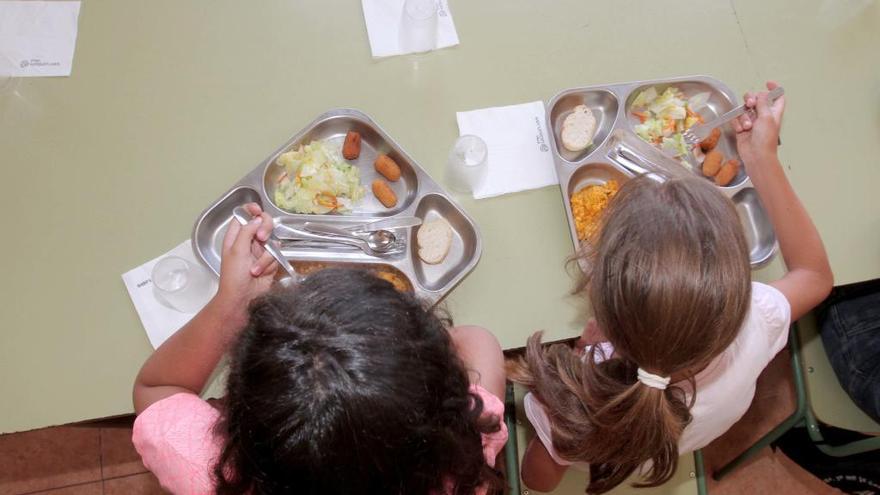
[539, 137]
[35, 62]
[37, 38]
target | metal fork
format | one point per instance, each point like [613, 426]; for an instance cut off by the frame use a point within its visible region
[698, 133]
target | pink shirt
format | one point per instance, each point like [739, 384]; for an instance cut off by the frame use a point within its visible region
[175, 440]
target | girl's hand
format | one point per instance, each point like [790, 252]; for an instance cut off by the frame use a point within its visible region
[758, 138]
[246, 269]
[186, 360]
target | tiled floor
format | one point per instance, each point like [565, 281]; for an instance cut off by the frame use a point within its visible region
[84, 459]
[98, 458]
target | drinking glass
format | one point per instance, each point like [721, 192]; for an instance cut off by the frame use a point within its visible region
[467, 167]
[183, 285]
[418, 26]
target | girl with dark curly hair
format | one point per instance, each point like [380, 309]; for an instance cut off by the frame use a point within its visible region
[338, 385]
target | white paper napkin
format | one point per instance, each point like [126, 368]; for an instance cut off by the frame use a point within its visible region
[159, 320]
[37, 38]
[517, 141]
[383, 26]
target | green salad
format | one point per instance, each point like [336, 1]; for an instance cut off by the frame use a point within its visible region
[317, 180]
[664, 116]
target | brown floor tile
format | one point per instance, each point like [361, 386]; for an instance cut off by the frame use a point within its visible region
[137, 484]
[95, 488]
[770, 473]
[50, 458]
[118, 456]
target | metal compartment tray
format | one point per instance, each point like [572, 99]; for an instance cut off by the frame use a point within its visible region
[618, 153]
[418, 195]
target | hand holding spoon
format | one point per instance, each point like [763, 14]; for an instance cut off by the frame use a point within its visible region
[271, 246]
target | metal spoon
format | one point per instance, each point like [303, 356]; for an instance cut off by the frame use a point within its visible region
[271, 247]
[377, 240]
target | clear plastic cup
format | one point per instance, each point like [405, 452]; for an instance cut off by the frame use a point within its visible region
[182, 285]
[467, 165]
[418, 26]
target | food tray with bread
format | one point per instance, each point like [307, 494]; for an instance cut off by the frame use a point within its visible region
[603, 135]
[343, 171]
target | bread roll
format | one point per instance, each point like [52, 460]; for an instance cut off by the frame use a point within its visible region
[578, 129]
[434, 239]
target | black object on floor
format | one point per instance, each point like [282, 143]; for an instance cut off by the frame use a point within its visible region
[856, 474]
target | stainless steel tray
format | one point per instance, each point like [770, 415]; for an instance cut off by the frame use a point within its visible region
[418, 195]
[615, 141]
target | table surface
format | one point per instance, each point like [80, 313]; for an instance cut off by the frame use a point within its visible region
[171, 102]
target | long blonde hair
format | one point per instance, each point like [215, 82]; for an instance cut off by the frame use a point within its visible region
[668, 278]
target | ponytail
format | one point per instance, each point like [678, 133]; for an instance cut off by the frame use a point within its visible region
[600, 413]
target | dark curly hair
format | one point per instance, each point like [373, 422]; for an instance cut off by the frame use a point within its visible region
[345, 385]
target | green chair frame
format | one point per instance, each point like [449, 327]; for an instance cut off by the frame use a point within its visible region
[802, 417]
[511, 450]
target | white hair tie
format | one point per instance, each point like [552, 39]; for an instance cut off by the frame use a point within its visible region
[652, 380]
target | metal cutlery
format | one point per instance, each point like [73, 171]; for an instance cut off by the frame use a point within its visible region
[697, 133]
[290, 233]
[387, 224]
[377, 240]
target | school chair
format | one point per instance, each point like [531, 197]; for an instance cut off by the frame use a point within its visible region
[820, 399]
[688, 480]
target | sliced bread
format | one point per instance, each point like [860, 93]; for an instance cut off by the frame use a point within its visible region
[434, 238]
[578, 129]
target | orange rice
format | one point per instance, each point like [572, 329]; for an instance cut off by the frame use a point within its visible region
[588, 204]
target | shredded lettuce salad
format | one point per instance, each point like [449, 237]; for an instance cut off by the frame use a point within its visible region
[664, 116]
[316, 180]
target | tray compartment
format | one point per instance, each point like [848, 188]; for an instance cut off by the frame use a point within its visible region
[332, 130]
[604, 105]
[719, 102]
[758, 229]
[384, 271]
[212, 224]
[462, 254]
[590, 174]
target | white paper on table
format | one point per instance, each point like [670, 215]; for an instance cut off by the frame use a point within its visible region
[160, 321]
[383, 26]
[517, 142]
[37, 38]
